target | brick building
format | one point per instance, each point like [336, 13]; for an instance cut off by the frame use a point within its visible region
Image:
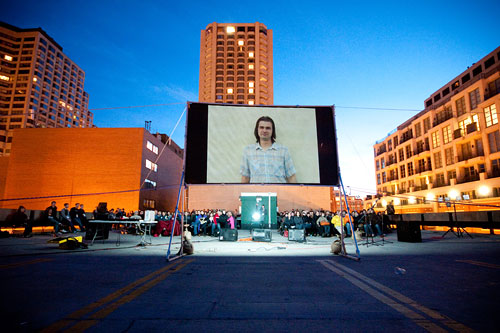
[124, 167]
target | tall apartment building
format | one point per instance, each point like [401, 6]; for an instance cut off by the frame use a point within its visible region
[236, 64]
[39, 85]
[450, 150]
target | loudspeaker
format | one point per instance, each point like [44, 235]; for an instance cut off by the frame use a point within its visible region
[297, 235]
[229, 235]
[409, 231]
[102, 230]
[261, 235]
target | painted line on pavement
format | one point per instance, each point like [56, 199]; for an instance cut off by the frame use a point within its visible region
[363, 283]
[479, 263]
[71, 318]
[408, 301]
[24, 263]
[103, 313]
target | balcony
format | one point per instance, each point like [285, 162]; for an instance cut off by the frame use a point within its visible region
[495, 172]
[440, 184]
[442, 117]
[405, 138]
[468, 179]
[490, 94]
[421, 149]
[420, 188]
[392, 178]
[423, 169]
[469, 156]
[381, 150]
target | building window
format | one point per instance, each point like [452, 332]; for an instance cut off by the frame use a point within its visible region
[460, 104]
[149, 203]
[410, 169]
[408, 151]
[452, 174]
[151, 166]
[382, 163]
[250, 102]
[447, 134]
[377, 164]
[152, 147]
[149, 183]
[378, 179]
[427, 124]
[448, 153]
[401, 155]
[494, 141]
[403, 171]
[440, 179]
[438, 162]
[490, 115]
[475, 98]
[384, 177]
[230, 30]
[418, 130]
[435, 139]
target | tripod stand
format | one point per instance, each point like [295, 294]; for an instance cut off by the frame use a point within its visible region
[460, 230]
[368, 235]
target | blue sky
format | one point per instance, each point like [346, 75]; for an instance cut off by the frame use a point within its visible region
[384, 54]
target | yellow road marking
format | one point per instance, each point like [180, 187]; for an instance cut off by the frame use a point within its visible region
[23, 263]
[408, 301]
[103, 313]
[415, 317]
[479, 263]
[57, 326]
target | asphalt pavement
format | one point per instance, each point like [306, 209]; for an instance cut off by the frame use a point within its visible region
[442, 284]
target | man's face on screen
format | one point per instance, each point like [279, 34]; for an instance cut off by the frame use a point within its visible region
[265, 130]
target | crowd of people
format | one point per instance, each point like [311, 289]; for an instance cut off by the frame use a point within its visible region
[210, 222]
[327, 224]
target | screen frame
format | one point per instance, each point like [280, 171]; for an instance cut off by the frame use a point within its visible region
[196, 134]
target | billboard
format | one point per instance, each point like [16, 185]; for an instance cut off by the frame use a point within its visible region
[234, 144]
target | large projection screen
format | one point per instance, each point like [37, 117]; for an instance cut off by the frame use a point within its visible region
[224, 146]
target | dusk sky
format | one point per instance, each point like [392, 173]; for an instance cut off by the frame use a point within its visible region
[384, 55]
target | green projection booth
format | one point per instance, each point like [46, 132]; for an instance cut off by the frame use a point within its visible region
[258, 210]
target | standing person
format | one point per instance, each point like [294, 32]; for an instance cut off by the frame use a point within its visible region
[230, 219]
[65, 218]
[216, 224]
[266, 161]
[223, 220]
[75, 217]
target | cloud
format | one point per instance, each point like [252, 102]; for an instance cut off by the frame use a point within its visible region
[176, 93]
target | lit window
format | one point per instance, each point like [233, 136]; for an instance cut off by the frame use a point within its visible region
[229, 90]
[435, 140]
[250, 102]
[230, 30]
[250, 91]
[152, 147]
[250, 66]
[5, 78]
[35, 79]
[490, 115]
[250, 84]
[151, 166]
[250, 54]
[7, 57]
[241, 43]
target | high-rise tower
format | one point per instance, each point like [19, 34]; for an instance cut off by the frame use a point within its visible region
[39, 85]
[236, 64]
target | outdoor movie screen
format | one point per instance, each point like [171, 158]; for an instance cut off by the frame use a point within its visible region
[234, 144]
